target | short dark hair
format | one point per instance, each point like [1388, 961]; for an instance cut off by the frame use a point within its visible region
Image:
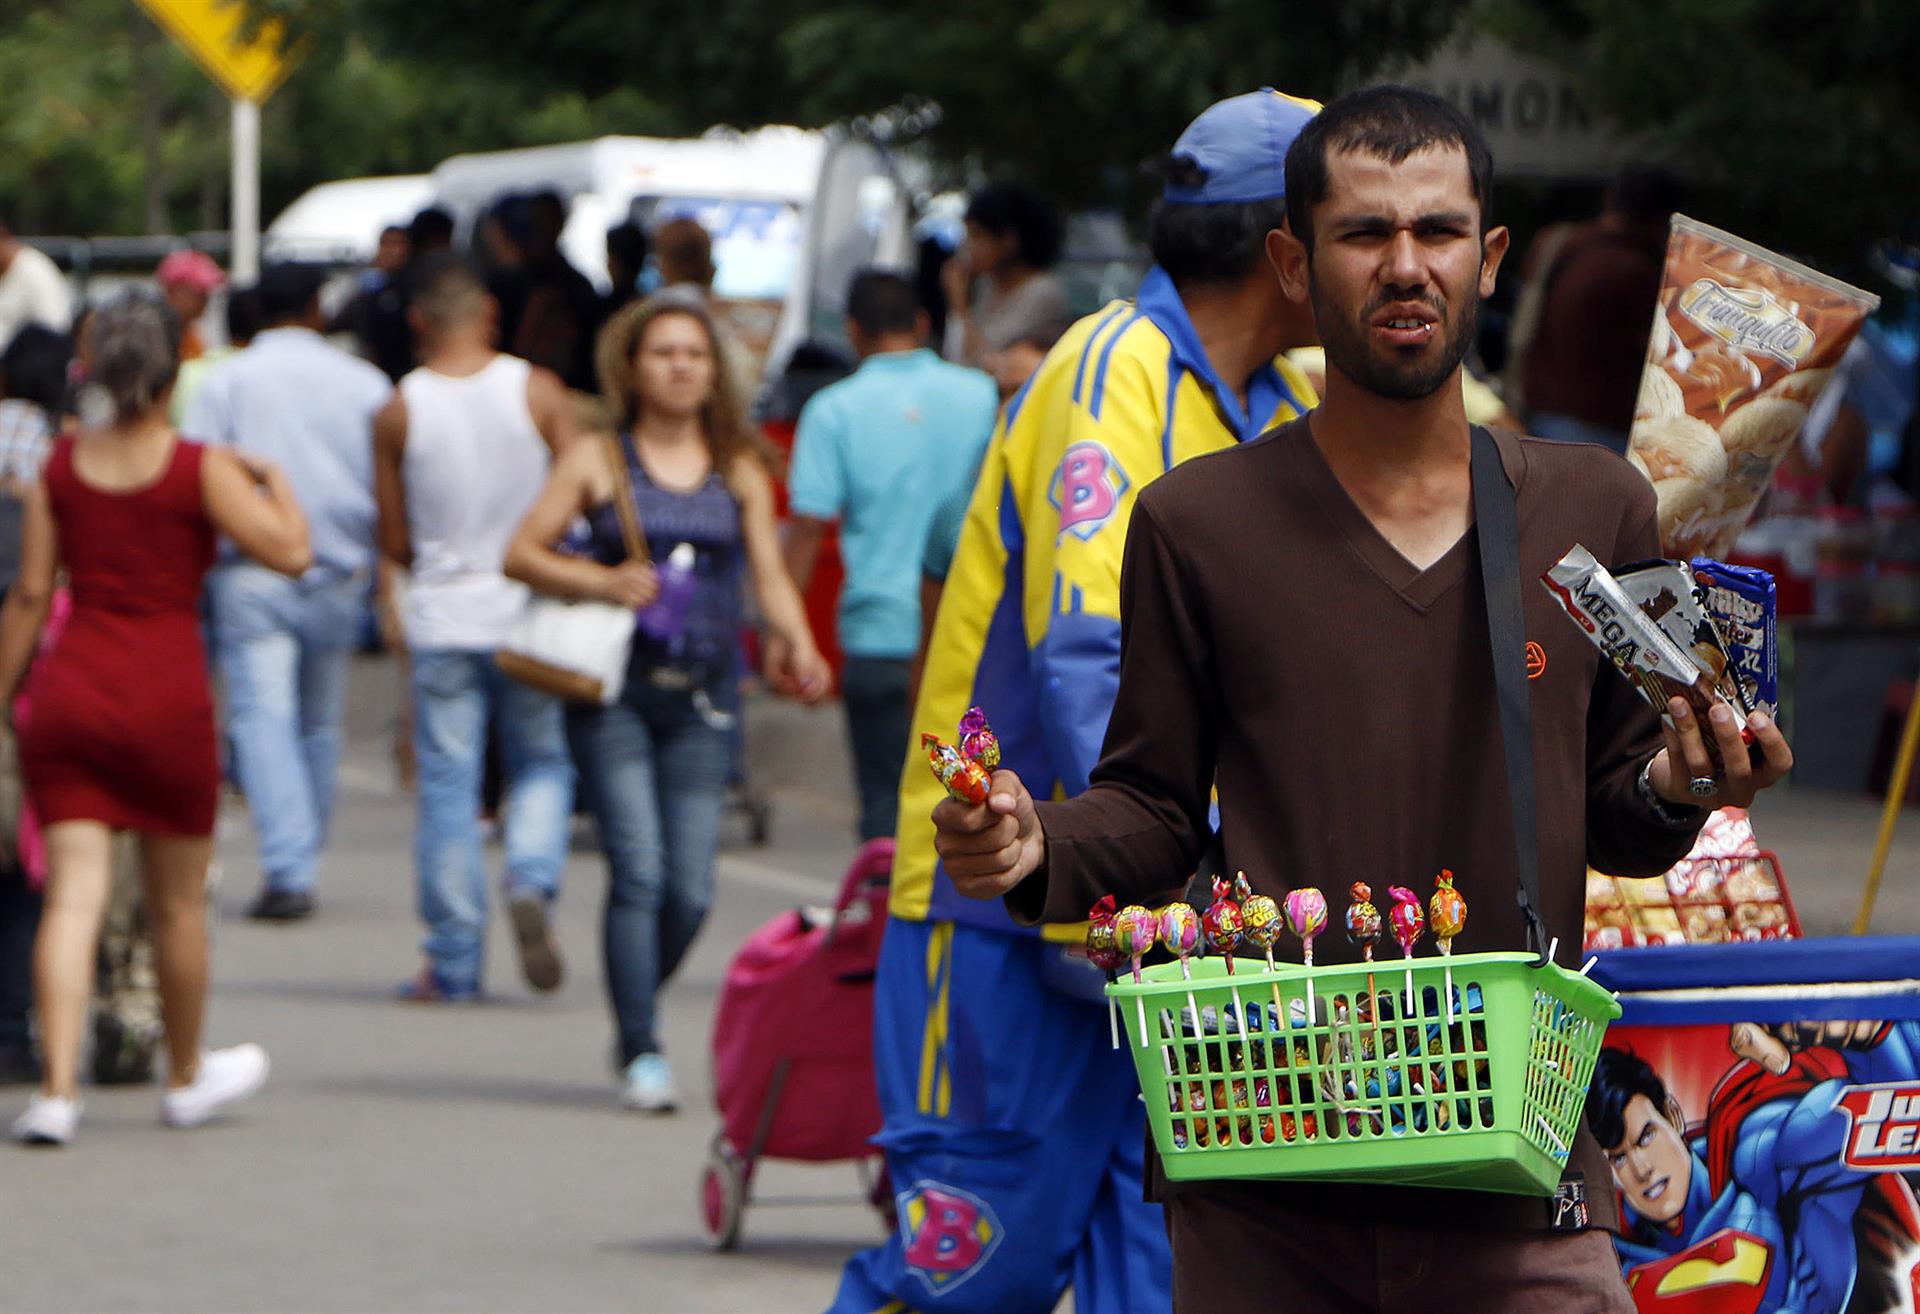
[881, 301]
[286, 292]
[1619, 1075]
[431, 227]
[628, 242]
[34, 367]
[1203, 244]
[1389, 122]
[446, 290]
[1003, 209]
[245, 317]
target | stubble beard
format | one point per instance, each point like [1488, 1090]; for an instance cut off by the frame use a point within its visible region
[1344, 336]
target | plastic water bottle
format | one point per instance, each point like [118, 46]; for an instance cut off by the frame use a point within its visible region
[663, 618]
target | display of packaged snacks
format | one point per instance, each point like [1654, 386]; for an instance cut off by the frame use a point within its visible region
[1725, 890]
[1744, 607]
[1706, 924]
[1658, 925]
[1702, 880]
[1743, 342]
[1601, 891]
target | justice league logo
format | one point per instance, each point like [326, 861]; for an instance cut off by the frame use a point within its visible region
[1087, 489]
[947, 1234]
[1886, 1126]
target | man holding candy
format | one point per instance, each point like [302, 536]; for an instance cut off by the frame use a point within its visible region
[1305, 630]
[1014, 1133]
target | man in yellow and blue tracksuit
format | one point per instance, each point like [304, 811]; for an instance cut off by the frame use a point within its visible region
[1014, 1132]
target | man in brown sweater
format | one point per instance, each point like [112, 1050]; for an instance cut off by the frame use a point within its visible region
[1304, 628]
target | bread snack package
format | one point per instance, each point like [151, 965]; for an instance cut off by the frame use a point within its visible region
[1635, 643]
[1671, 597]
[1741, 603]
[1743, 341]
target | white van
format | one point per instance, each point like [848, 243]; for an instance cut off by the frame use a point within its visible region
[339, 223]
[793, 214]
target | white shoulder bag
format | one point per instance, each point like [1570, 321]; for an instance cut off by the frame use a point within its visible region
[577, 648]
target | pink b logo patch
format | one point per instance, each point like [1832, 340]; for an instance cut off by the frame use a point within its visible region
[947, 1234]
[1087, 489]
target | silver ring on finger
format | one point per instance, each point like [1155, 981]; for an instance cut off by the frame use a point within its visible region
[1703, 787]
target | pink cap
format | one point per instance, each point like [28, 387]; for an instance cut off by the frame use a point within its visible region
[191, 269]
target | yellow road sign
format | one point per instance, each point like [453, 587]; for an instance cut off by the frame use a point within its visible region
[214, 32]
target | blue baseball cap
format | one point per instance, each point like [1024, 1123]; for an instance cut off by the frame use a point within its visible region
[1241, 144]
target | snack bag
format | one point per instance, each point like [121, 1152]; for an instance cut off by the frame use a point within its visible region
[1743, 341]
[1742, 604]
[1668, 593]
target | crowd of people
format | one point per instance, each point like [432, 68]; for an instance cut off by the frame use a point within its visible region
[1316, 278]
[461, 433]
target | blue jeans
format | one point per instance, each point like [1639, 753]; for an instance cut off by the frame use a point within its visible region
[455, 696]
[874, 690]
[654, 767]
[283, 648]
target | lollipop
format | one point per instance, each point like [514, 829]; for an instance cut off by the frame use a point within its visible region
[1363, 928]
[1448, 914]
[1260, 923]
[1103, 954]
[1363, 919]
[1306, 918]
[964, 778]
[1409, 924]
[1220, 925]
[977, 739]
[1180, 933]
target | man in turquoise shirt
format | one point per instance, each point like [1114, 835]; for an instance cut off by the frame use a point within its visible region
[879, 452]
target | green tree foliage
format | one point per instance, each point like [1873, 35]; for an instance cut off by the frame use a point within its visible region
[1073, 93]
[107, 127]
[1798, 121]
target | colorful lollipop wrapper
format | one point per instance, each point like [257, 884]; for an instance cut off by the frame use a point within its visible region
[1180, 929]
[1409, 923]
[1104, 954]
[1447, 911]
[1448, 917]
[1363, 919]
[964, 778]
[1220, 924]
[1260, 923]
[1134, 931]
[977, 740]
[1307, 916]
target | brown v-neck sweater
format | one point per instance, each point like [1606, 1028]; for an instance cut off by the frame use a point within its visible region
[1276, 645]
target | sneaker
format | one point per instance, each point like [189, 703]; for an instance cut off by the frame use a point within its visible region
[281, 906]
[648, 1085]
[533, 933]
[427, 986]
[47, 1121]
[226, 1076]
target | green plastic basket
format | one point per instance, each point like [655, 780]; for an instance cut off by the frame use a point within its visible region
[1480, 1091]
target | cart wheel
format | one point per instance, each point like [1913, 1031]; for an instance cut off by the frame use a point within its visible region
[723, 1195]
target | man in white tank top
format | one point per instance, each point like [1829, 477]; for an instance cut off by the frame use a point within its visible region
[459, 455]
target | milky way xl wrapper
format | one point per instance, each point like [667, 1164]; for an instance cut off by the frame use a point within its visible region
[1629, 638]
[1743, 341]
[1741, 601]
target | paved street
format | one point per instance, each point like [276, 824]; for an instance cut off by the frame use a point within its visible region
[472, 1159]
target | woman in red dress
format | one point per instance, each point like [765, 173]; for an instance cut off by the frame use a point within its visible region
[121, 735]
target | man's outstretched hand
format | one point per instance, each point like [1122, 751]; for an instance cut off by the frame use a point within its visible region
[987, 850]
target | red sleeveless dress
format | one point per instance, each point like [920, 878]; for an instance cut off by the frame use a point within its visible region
[122, 728]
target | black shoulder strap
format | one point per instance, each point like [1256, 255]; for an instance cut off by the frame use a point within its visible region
[1498, 530]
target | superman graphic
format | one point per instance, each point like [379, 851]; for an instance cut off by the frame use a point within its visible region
[1753, 1210]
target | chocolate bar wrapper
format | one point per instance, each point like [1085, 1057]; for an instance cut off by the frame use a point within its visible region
[1627, 636]
[1741, 601]
[1674, 600]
